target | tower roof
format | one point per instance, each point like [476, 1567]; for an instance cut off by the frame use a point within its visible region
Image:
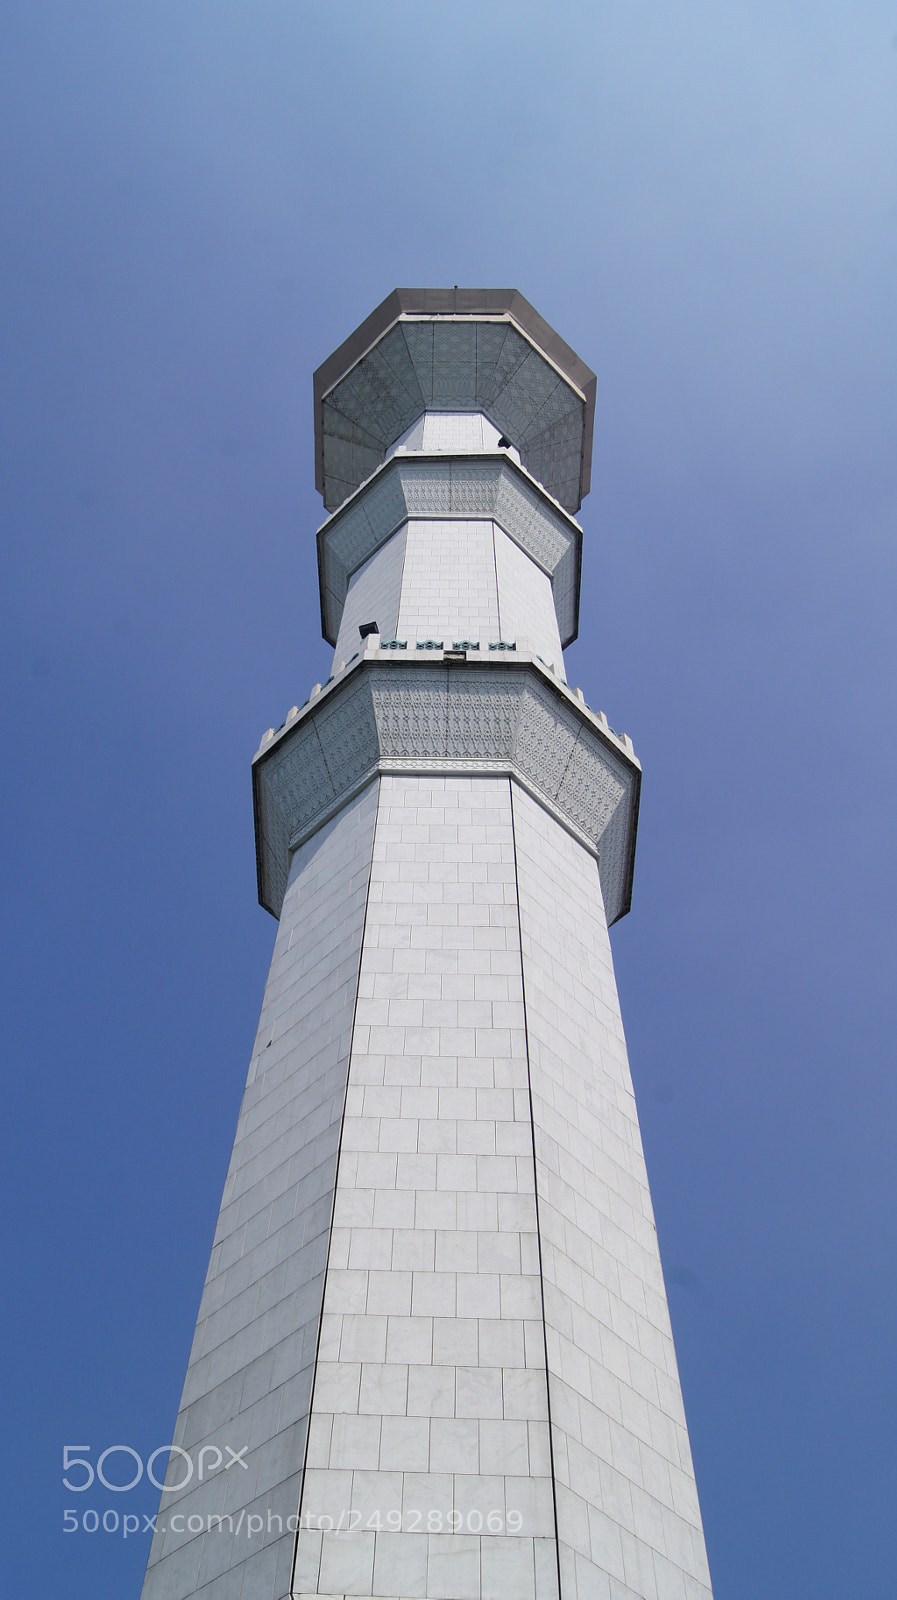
[454, 350]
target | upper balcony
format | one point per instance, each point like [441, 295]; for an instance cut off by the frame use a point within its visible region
[455, 350]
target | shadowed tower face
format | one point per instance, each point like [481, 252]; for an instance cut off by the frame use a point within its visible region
[434, 1313]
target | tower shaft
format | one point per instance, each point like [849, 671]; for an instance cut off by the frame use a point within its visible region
[435, 1310]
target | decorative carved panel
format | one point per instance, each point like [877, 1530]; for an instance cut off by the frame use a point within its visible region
[454, 717]
[463, 365]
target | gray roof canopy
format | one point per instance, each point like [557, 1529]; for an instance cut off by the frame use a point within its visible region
[454, 350]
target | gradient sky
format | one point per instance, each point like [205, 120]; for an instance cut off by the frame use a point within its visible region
[198, 201]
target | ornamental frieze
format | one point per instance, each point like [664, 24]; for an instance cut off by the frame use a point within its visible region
[453, 717]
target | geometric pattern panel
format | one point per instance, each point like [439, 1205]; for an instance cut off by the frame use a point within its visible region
[462, 487]
[453, 717]
[441, 364]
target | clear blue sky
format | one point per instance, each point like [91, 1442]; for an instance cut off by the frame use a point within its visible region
[198, 201]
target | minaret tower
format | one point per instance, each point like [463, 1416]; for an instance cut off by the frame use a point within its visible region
[434, 1329]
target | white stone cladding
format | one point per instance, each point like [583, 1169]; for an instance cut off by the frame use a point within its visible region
[448, 584]
[628, 1518]
[459, 432]
[250, 1371]
[430, 1397]
[452, 1085]
[453, 581]
[491, 1167]
[435, 1314]
[526, 609]
[374, 593]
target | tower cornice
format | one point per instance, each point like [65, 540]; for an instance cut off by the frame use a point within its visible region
[486, 485]
[453, 714]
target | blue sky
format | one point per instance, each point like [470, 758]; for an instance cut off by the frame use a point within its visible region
[198, 202]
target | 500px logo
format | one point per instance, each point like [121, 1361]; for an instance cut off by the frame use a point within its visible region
[75, 1455]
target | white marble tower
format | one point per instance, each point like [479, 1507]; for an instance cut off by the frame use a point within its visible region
[434, 1321]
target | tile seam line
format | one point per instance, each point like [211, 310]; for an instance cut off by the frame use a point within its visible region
[401, 578]
[339, 1153]
[497, 589]
[529, 1085]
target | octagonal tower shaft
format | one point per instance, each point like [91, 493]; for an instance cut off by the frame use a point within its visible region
[435, 1311]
